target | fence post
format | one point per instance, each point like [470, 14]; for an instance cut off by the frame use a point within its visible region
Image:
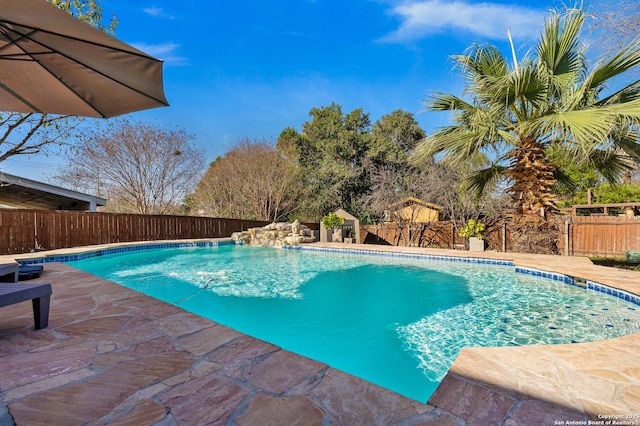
[504, 237]
[453, 235]
[567, 225]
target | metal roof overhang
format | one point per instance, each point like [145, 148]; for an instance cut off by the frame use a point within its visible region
[18, 192]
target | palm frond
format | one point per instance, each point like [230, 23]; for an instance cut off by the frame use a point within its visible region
[482, 60]
[559, 44]
[479, 180]
[582, 127]
[527, 85]
[627, 58]
[447, 139]
[628, 93]
[627, 111]
[564, 181]
[439, 101]
[458, 144]
[485, 69]
[611, 164]
[626, 139]
[561, 60]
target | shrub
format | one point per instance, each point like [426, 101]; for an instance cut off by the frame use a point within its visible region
[332, 220]
[472, 229]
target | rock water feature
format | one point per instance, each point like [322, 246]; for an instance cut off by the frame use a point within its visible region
[276, 235]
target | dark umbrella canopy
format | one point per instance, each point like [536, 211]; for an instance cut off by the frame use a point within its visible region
[50, 62]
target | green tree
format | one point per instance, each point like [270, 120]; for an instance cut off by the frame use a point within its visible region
[288, 143]
[32, 133]
[604, 193]
[549, 101]
[88, 11]
[330, 151]
[578, 178]
[607, 193]
[390, 175]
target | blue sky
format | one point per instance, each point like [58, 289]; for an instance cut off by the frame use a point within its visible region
[236, 69]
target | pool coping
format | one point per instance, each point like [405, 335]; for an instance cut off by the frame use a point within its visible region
[516, 380]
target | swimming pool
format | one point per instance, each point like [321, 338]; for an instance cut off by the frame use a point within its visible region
[397, 322]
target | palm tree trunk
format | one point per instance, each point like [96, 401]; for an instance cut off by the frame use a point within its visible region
[532, 173]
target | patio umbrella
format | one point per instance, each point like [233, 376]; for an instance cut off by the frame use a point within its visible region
[50, 62]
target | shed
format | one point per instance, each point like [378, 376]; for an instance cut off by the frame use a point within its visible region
[412, 210]
[351, 227]
[23, 193]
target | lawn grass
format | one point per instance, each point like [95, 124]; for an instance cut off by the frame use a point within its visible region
[615, 262]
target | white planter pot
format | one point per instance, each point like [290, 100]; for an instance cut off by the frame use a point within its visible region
[476, 244]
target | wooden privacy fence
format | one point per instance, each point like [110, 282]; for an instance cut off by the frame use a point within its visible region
[23, 231]
[435, 234]
[601, 235]
[581, 236]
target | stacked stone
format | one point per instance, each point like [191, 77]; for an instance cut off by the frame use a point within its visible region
[276, 235]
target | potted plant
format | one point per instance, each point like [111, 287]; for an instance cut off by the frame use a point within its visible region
[350, 236]
[334, 222]
[473, 231]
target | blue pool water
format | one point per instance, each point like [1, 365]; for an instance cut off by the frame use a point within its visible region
[396, 322]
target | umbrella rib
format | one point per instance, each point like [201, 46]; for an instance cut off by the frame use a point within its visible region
[20, 98]
[11, 41]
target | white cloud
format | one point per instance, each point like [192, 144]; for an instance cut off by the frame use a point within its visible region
[166, 52]
[490, 20]
[157, 12]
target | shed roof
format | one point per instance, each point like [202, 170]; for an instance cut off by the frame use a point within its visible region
[345, 214]
[19, 192]
[411, 200]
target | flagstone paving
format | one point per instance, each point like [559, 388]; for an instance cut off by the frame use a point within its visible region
[113, 356]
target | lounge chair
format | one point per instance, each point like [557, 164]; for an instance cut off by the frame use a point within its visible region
[12, 292]
[9, 272]
[29, 272]
[39, 294]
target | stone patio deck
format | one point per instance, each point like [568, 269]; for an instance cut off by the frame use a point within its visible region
[114, 356]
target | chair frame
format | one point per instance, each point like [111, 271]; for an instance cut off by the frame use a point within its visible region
[12, 292]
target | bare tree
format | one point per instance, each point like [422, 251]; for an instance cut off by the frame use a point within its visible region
[405, 216]
[448, 188]
[138, 167]
[251, 181]
[619, 22]
[32, 133]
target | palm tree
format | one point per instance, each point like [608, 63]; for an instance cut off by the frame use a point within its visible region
[546, 106]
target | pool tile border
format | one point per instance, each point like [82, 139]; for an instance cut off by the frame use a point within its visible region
[550, 275]
[615, 292]
[122, 249]
[478, 260]
[588, 284]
